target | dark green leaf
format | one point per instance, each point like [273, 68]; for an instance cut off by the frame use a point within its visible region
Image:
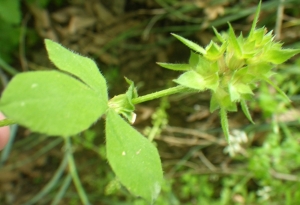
[10, 11]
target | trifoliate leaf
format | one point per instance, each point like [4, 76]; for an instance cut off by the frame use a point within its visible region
[133, 158]
[82, 67]
[51, 102]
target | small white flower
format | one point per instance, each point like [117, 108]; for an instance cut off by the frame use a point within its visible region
[264, 193]
[236, 139]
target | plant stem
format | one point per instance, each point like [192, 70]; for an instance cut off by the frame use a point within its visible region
[6, 122]
[162, 93]
[7, 67]
[74, 174]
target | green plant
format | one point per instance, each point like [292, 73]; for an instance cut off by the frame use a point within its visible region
[68, 101]
[10, 19]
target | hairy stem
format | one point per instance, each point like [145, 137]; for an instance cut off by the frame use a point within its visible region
[162, 93]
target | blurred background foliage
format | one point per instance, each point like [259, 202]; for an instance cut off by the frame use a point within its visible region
[126, 38]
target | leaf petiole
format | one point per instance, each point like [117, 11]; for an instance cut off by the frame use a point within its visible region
[162, 93]
[7, 122]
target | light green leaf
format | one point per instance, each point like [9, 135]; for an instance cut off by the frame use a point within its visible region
[246, 110]
[268, 39]
[214, 103]
[244, 89]
[51, 102]
[190, 44]
[260, 68]
[258, 35]
[233, 41]
[277, 88]
[133, 158]
[214, 52]
[255, 19]
[212, 82]
[237, 90]
[82, 67]
[233, 62]
[230, 106]
[194, 59]
[191, 79]
[131, 92]
[221, 98]
[176, 67]
[207, 69]
[278, 56]
[122, 103]
[10, 11]
[224, 123]
[218, 35]
[233, 92]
